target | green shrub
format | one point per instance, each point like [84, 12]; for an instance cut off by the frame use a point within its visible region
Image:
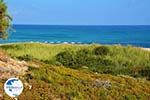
[83, 57]
[105, 61]
[66, 58]
[101, 50]
[145, 72]
[26, 57]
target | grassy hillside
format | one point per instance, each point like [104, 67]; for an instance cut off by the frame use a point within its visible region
[113, 60]
[82, 72]
[39, 51]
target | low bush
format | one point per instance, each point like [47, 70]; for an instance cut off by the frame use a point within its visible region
[66, 58]
[101, 59]
[26, 57]
[145, 72]
[82, 57]
[101, 50]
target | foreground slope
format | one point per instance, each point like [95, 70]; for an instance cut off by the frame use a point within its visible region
[60, 83]
[47, 79]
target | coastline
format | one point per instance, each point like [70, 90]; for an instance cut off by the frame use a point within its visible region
[70, 43]
[146, 49]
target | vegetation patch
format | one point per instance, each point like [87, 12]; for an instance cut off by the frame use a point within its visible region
[114, 60]
[82, 72]
[53, 82]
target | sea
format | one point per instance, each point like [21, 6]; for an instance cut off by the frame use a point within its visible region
[81, 34]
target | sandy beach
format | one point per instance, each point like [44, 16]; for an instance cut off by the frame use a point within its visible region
[147, 49]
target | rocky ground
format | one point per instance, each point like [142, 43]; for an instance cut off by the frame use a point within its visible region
[9, 66]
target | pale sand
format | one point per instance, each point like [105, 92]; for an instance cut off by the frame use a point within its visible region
[147, 49]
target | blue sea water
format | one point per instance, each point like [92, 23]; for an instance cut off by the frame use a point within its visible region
[125, 35]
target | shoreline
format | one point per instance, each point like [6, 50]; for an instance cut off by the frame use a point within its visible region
[146, 49]
[71, 43]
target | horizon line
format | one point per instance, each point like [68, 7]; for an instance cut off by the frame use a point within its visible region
[83, 24]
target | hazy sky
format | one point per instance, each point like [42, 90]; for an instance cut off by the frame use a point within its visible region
[80, 12]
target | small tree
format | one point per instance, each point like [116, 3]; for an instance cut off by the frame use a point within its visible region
[5, 20]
